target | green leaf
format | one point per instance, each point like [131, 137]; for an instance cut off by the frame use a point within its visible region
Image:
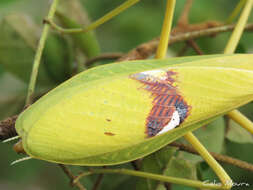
[12, 96]
[71, 15]
[155, 163]
[237, 134]
[179, 167]
[18, 41]
[75, 11]
[58, 58]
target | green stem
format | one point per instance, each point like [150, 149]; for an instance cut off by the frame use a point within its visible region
[235, 12]
[175, 180]
[97, 23]
[165, 34]
[38, 54]
[237, 33]
[220, 172]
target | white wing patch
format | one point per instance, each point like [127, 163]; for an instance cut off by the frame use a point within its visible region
[155, 74]
[175, 121]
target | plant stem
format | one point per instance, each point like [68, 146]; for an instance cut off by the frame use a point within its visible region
[38, 54]
[95, 24]
[237, 33]
[181, 181]
[219, 157]
[165, 34]
[146, 49]
[103, 56]
[236, 11]
[195, 46]
[184, 17]
[71, 177]
[98, 182]
[230, 48]
[220, 172]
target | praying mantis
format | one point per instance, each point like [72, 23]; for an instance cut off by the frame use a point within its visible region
[121, 112]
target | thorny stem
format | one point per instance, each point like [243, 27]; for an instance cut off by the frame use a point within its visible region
[38, 54]
[230, 48]
[95, 24]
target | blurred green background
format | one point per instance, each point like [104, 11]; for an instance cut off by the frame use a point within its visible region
[20, 26]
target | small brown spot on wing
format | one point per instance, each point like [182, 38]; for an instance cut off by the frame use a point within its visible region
[109, 133]
[108, 120]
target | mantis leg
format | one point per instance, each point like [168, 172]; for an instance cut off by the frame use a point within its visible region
[242, 120]
[220, 172]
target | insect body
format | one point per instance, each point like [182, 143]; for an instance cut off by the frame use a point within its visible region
[120, 112]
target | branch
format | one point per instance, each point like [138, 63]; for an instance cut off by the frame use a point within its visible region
[195, 46]
[184, 18]
[98, 182]
[104, 56]
[218, 157]
[71, 177]
[183, 24]
[7, 128]
[146, 49]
